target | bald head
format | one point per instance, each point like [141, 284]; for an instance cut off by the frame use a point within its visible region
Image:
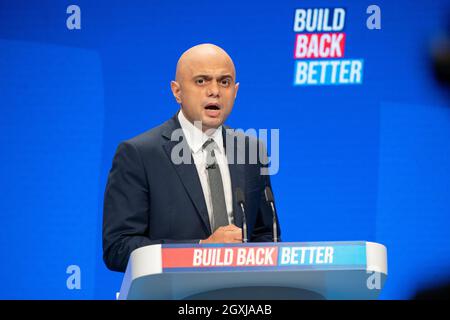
[205, 85]
[197, 55]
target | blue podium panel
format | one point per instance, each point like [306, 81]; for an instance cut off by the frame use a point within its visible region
[312, 270]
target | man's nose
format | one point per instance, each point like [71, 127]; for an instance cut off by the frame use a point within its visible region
[213, 89]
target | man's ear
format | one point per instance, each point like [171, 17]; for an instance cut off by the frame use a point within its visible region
[236, 87]
[176, 90]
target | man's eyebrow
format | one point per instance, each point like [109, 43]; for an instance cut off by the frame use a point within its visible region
[206, 76]
[202, 76]
[228, 75]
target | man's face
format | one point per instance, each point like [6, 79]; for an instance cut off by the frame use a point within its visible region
[206, 88]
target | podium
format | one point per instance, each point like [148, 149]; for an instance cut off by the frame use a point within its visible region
[254, 271]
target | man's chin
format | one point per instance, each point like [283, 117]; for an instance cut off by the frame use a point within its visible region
[212, 123]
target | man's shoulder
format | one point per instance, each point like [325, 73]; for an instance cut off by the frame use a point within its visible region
[148, 137]
[153, 136]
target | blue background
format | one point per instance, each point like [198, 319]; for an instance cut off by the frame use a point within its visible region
[357, 162]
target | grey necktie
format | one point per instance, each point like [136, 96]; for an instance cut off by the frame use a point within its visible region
[220, 215]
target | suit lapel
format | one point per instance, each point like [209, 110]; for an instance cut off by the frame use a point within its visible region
[187, 172]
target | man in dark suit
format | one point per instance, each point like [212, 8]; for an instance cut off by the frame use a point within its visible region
[176, 183]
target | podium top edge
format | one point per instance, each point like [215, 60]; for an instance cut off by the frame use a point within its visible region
[265, 244]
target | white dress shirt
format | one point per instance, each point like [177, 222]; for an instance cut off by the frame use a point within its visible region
[195, 138]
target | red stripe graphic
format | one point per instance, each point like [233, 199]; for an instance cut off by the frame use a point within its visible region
[219, 257]
[319, 45]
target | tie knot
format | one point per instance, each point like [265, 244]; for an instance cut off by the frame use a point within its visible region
[210, 144]
[209, 147]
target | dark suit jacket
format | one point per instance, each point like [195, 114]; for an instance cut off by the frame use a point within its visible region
[150, 200]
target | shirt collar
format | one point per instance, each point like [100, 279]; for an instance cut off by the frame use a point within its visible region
[195, 137]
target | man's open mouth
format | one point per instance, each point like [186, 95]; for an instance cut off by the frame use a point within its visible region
[212, 107]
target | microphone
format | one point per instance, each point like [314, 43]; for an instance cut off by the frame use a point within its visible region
[211, 166]
[241, 202]
[269, 198]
